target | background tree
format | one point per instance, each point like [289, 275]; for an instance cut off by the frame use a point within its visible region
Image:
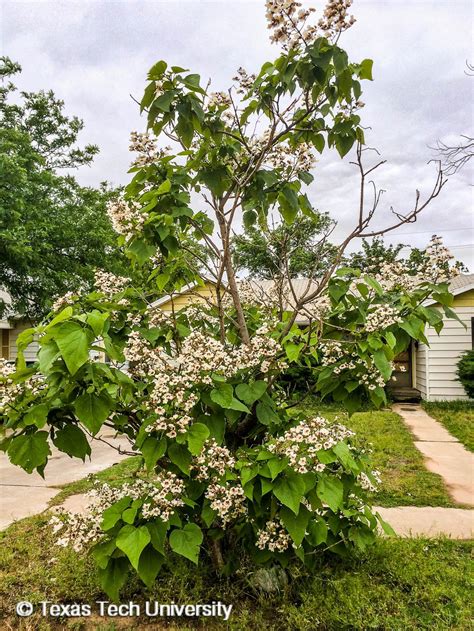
[299, 249]
[375, 254]
[53, 232]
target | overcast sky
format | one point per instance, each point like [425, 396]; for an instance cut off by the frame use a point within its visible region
[95, 54]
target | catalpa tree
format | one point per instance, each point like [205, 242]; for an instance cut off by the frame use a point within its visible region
[232, 470]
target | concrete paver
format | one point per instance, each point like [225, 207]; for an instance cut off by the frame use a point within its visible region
[430, 521]
[23, 494]
[443, 453]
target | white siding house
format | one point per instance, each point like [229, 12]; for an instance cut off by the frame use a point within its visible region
[434, 370]
[10, 329]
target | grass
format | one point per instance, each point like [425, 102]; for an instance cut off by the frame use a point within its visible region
[405, 479]
[457, 417]
[398, 584]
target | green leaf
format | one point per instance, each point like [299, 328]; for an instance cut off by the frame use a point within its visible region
[216, 179]
[187, 541]
[152, 450]
[73, 342]
[249, 393]
[276, 466]
[180, 456]
[47, 354]
[102, 552]
[266, 414]
[65, 314]
[149, 565]
[164, 101]
[365, 70]
[362, 536]
[158, 530]
[164, 187]
[72, 441]
[223, 395]
[157, 71]
[112, 514]
[374, 284]
[289, 206]
[37, 415]
[295, 524]
[318, 142]
[197, 435]
[293, 351]
[239, 406]
[113, 577]
[318, 531]
[93, 409]
[391, 339]
[133, 541]
[141, 250]
[331, 492]
[382, 363]
[289, 490]
[29, 451]
[249, 218]
[96, 320]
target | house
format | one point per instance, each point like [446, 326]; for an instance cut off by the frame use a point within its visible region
[434, 367]
[426, 372]
[10, 328]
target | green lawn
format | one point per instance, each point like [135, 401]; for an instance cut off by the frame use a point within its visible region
[405, 479]
[457, 417]
[397, 585]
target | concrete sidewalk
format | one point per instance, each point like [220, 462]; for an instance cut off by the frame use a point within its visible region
[443, 453]
[429, 521]
[23, 494]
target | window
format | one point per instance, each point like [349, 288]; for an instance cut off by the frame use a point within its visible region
[5, 349]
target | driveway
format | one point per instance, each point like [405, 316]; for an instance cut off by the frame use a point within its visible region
[23, 494]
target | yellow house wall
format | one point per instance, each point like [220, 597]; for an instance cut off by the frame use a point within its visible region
[464, 300]
[198, 294]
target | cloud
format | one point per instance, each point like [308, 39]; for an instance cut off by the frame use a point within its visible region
[94, 55]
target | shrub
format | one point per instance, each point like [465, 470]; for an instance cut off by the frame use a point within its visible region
[465, 372]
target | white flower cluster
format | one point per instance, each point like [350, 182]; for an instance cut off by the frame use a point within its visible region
[175, 376]
[371, 377]
[10, 391]
[437, 268]
[213, 461]
[287, 20]
[244, 80]
[335, 18]
[146, 147]
[292, 159]
[227, 499]
[69, 298]
[333, 352]
[367, 484]
[273, 537]
[282, 155]
[141, 143]
[381, 318]
[109, 284]
[161, 497]
[219, 99]
[196, 313]
[301, 443]
[126, 217]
